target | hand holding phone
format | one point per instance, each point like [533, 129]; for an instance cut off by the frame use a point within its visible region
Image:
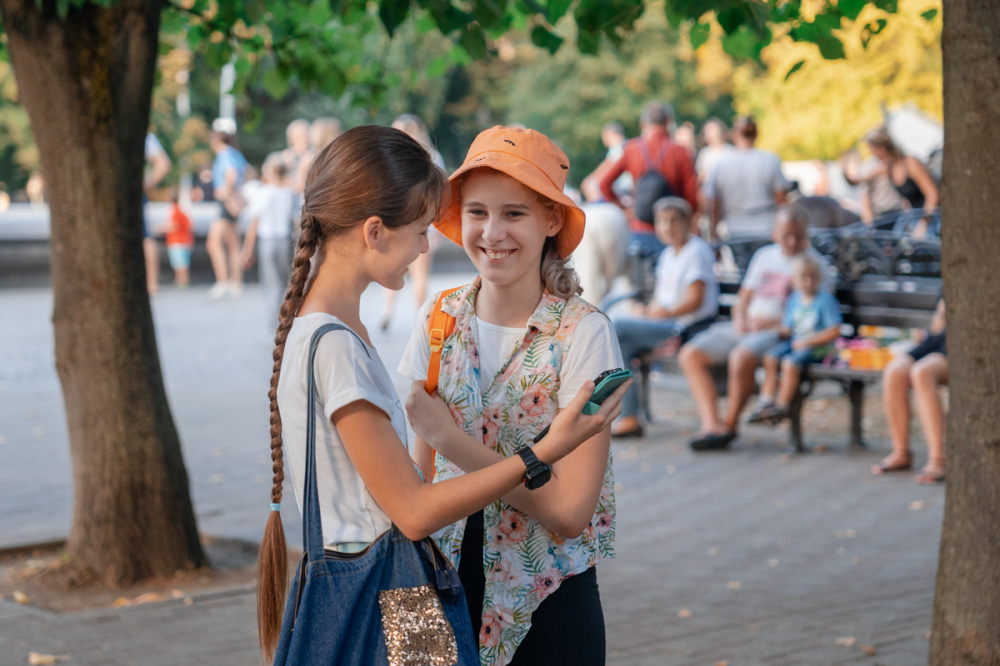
[605, 384]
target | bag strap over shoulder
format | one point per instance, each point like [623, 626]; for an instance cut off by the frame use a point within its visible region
[440, 326]
[661, 151]
[312, 527]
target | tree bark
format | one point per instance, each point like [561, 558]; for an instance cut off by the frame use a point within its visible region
[967, 600]
[86, 81]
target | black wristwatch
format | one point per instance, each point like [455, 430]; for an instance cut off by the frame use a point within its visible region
[538, 473]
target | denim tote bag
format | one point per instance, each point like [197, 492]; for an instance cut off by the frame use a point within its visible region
[397, 603]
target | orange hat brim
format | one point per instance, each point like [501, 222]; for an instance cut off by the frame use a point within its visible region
[529, 175]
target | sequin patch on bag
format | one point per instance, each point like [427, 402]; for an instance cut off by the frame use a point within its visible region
[417, 633]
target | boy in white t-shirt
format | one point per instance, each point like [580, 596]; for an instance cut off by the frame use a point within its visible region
[686, 296]
[753, 329]
[271, 210]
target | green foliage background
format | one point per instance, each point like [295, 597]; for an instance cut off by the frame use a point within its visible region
[467, 67]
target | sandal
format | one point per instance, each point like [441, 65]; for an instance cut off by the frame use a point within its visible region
[933, 472]
[894, 462]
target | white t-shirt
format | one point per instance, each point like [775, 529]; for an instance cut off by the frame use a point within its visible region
[769, 275]
[347, 370]
[275, 208]
[593, 350]
[676, 271]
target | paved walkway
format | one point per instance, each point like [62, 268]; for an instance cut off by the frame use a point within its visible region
[751, 556]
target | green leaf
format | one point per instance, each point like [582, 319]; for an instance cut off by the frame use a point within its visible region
[275, 82]
[425, 24]
[699, 34]
[473, 40]
[393, 13]
[448, 18]
[929, 15]
[796, 67]
[731, 20]
[557, 9]
[227, 13]
[851, 8]
[458, 56]
[254, 11]
[332, 82]
[488, 13]
[828, 20]
[319, 14]
[588, 43]
[195, 35]
[831, 48]
[437, 67]
[787, 12]
[242, 66]
[540, 36]
[891, 6]
[217, 53]
[744, 43]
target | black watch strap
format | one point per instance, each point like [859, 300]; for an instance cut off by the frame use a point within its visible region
[537, 473]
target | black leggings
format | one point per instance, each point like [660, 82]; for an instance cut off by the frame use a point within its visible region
[566, 628]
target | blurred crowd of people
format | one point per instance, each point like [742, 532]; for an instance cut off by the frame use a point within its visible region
[664, 197]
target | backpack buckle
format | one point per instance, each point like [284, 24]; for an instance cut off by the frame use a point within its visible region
[436, 339]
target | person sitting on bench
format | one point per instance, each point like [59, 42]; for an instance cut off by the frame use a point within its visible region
[924, 368]
[753, 329]
[686, 298]
[811, 324]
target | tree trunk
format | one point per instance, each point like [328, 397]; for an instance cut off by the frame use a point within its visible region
[86, 81]
[967, 599]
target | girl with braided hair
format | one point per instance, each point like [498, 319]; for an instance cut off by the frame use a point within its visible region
[369, 199]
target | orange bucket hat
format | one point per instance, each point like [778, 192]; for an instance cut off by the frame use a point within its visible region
[528, 157]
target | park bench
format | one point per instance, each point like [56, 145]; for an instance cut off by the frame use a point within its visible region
[873, 301]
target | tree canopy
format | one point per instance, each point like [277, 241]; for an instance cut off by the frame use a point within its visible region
[810, 107]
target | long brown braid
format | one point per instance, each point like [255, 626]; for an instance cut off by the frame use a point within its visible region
[272, 563]
[367, 171]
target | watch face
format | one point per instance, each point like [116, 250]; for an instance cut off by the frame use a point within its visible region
[539, 479]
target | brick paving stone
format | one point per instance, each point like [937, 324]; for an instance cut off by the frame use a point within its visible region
[820, 548]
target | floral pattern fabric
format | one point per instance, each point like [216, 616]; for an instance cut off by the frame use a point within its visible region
[523, 562]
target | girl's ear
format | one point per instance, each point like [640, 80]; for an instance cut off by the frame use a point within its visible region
[557, 217]
[373, 232]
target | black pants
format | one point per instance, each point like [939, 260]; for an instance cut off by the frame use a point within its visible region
[566, 628]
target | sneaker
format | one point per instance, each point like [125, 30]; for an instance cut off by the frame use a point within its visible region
[235, 289]
[761, 412]
[218, 290]
[778, 414]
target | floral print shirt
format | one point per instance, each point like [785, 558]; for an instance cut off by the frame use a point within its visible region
[523, 561]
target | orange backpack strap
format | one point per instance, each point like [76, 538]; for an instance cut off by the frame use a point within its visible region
[440, 326]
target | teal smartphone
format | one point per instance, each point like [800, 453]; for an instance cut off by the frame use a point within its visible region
[605, 384]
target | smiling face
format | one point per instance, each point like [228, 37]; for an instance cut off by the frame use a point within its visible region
[504, 227]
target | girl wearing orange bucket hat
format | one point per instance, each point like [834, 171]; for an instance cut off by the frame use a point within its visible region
[523, 345]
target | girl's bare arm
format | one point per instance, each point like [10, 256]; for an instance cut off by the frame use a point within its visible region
[566, 503]
[419, 508]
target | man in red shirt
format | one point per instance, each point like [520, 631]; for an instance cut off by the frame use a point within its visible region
[670, 159]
